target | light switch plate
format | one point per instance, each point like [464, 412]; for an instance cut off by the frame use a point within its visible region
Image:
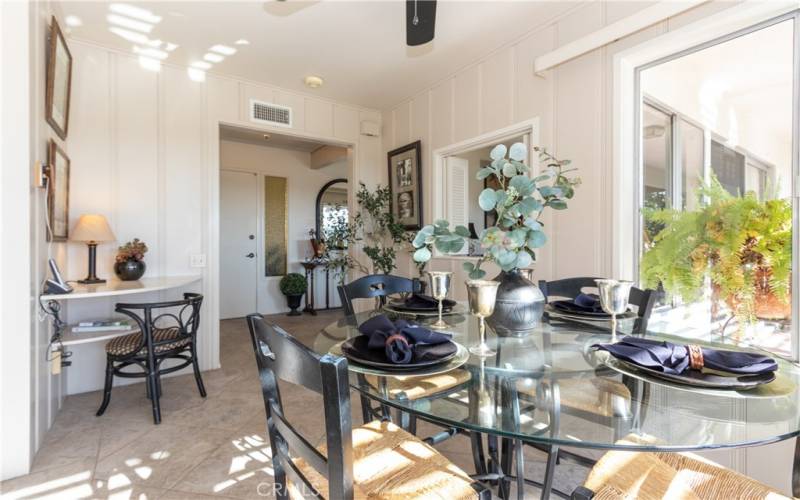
[197, 260]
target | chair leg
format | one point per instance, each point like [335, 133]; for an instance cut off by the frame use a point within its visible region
[197, 376]
[478, 456]
[520, 458]
[366, 410]
[152, 384]
[549, 472]
[107, 387]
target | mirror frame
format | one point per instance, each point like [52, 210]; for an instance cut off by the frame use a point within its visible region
[319, 201]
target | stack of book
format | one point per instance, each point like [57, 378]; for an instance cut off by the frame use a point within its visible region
[102, 326]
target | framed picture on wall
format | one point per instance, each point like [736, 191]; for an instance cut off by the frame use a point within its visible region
[57, 192]
[405, 183]
[59, 81]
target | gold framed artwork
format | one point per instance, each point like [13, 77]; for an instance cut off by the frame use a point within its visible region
[276, 215]
[59, 81]
[405, 185]
[57, 192]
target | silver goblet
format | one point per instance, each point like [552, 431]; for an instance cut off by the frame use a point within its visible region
[482, 295]
[614, 296]
[440, 285]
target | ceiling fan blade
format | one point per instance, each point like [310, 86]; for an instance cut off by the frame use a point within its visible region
[420, 21]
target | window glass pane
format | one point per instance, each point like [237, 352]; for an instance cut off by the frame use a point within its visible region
[722, 260]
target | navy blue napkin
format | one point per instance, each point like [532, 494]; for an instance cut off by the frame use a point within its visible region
[583, 303]
[674, 359]
[418, 301]
[403, 341]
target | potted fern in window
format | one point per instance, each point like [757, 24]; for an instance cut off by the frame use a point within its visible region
[743, 245]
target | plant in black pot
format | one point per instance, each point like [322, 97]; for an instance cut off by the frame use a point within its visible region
[293, 285]
[129, 265]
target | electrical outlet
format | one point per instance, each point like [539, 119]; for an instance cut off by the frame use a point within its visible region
[39, 174]
[197, 260]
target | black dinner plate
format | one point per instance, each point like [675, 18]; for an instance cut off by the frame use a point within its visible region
[401, 305]
[355, 350]
[707, 380]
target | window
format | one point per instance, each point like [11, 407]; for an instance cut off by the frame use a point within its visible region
[717, 133]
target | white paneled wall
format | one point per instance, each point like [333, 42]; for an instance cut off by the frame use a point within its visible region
[573, 103]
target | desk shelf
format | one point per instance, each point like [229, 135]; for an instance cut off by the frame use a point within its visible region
[72, 338]
[115, 287]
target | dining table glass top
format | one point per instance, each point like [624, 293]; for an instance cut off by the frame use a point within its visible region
[552, 387]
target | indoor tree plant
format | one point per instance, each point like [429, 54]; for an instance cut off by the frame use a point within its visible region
[512, 242]
[129, 264]
[743, 245]
[380, 233]
[293, 286]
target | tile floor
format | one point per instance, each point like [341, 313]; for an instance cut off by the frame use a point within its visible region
[213, 447]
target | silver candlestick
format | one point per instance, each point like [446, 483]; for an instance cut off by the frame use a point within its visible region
[614, 297]
[482, 296]
[440, 285]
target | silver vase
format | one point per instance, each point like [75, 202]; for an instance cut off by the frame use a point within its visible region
[519, 307]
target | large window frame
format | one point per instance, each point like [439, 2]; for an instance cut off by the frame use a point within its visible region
[625, 66]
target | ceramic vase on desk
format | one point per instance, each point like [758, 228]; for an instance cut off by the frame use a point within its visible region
[130, 270]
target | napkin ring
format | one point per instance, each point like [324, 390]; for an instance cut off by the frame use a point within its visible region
[695, 356]
[396, 336]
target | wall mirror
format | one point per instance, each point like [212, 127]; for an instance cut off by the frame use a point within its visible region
[331, 210]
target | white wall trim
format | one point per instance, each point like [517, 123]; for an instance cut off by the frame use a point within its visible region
[614, 31]
[17, 406]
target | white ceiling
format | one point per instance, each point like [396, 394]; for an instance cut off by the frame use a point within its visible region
[357, 47]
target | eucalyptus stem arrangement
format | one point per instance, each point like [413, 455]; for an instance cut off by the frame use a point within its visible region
[519, 203]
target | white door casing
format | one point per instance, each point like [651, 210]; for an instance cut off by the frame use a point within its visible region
[238, 241]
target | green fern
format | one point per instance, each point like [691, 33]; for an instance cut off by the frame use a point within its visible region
[742, 244]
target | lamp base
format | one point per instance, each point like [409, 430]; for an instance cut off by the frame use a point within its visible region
[91, 281]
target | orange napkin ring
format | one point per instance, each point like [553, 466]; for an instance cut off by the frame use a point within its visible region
[695, 356]
[396, 336]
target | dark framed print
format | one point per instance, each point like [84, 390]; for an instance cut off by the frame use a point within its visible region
[59, 81]
[405, 184]
[57, 192]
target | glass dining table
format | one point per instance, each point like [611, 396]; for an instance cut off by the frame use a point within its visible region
[552, 389]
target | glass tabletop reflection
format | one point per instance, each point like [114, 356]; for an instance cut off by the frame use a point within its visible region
[552, 387]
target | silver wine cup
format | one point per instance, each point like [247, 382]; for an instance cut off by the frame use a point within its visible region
[482, 295]
[440, 286]
[614, 296]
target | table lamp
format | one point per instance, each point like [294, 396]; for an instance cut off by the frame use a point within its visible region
[92, 229]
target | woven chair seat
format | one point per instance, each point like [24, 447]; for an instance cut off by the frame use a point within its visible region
[419, 387]
[128, 344]
[390, 463]
[602, 396]
[646, 476]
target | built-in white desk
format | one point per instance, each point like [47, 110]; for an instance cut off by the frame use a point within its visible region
[91, 368]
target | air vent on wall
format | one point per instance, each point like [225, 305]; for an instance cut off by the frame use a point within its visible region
[273, 114]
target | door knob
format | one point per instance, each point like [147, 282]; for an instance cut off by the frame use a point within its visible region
[250, 255]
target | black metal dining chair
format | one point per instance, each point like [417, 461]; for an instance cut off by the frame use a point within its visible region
[375, 460]
[171, 334]
[375, 286]
[569, 288]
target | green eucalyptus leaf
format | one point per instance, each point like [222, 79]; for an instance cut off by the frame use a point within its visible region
[509, 170]
[468, 267]
[550, 191]
[518, 236]
[498, 152]
[441, 223]
[523, 184]
[506, 258]
[500, 196]
[420, 239]
[533, 224]
[422, 255]
[523, 260]
[487, 199]
[497, 165]
[484, 173]
[536, 239]
[529, 205]
[461, 231]
[477, 274]
[557, 204]
[518, 151]
[521, 167]
[542, 177]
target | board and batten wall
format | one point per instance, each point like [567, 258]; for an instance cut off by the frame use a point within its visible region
[573, 102]
[303, 184]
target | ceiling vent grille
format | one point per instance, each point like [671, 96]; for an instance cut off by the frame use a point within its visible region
[273, 114]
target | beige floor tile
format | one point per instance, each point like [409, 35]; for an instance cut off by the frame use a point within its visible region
[68, 481]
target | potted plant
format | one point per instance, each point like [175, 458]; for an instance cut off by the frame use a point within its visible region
[317, 244]
[293, 286]
[512, 241]
[743, 245]
[129, 264]
[381, 235]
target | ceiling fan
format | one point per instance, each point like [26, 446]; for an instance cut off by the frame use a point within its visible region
[420, 21]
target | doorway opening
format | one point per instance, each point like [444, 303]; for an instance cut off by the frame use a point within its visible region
[275, 191]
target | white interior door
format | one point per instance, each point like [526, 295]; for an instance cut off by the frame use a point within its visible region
[238, 243]
[457, 188]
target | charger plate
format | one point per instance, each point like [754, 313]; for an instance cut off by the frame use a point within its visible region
[458, 308]
[458, 359]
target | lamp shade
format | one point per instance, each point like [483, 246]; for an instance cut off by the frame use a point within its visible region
[92, 227]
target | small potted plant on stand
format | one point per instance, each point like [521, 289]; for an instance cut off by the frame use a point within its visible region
[129, 265]
[293, 286]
